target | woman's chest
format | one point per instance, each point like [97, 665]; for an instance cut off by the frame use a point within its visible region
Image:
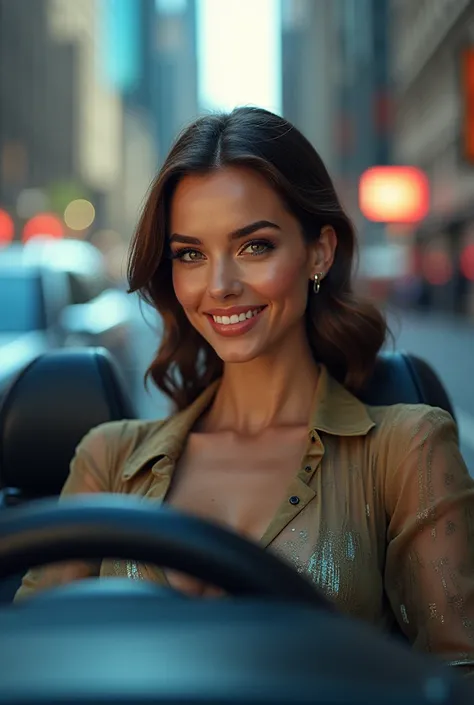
[240, 484]
[339, 549]
[317, 507]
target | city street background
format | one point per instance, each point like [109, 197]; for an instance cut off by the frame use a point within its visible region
[93, 93]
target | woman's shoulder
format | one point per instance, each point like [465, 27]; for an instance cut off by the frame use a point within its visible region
[107, 450]
[121, 437]
[401, 426]
[413, 433]
[404, 421]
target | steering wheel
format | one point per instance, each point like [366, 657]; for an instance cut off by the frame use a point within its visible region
[136, 646]
[98, 526]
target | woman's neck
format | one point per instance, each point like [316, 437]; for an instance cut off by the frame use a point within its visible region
[271, 391]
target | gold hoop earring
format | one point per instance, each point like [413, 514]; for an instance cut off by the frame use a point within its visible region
[317, 282]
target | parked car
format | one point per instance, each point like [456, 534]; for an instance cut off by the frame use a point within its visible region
[54, 295]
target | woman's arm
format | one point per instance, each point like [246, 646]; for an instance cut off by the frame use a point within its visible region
[429, 576]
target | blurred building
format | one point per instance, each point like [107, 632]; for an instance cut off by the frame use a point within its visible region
[91, 95]
[159, 93]
[433, 79]
[97, 118]
[126, 49]
[336, 86]
[310, 57]
[175, 66]
[38, 86]
[60, 126]
[362, 121]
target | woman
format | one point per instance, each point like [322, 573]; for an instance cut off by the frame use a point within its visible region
[245, 251]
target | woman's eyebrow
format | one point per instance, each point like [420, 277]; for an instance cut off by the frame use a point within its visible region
[244, 231]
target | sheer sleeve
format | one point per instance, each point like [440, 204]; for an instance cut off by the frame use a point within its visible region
[90, 471]
[429, 572]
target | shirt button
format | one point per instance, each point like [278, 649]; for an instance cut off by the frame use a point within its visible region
[308, 468]
[294, 499]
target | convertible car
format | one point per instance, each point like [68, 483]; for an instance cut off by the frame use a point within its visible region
[275, 639]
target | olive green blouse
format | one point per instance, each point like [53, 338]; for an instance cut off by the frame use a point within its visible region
[383, 525]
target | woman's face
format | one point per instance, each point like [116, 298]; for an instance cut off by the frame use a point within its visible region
[240, 264]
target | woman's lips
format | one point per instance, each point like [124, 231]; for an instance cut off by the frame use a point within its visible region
[229, 329]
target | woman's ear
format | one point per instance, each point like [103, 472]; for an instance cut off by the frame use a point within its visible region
[323, 251]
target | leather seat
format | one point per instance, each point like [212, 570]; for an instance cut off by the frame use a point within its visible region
[50, 406]
[58, 398]
[403, 378]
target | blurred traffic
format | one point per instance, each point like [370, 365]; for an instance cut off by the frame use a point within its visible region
[383, 88]
[55, 295]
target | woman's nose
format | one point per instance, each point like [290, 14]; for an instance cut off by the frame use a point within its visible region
[223, 280]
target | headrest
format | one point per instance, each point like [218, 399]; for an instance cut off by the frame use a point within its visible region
[48, 409]
[399, 377]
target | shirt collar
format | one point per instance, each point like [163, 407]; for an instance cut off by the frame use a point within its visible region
[337, 411]
[334, 410]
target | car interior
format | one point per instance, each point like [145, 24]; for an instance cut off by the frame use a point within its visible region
[275, 640]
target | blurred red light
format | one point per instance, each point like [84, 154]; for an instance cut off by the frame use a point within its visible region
[43, 225]
[7, 228]
[466, 263]
[467, 103]
[394, 194]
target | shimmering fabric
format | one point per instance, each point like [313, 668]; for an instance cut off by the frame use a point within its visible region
[384, 524]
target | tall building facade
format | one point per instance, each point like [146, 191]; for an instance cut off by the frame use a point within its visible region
[309, 65]
[433, 79]
[81, 106]
[37, 102]
[336, 84]
[126, 52]
[363, 129]
[175, 68]
[60, 127]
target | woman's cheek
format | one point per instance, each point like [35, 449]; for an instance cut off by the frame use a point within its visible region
[281, 279]
[186, 287]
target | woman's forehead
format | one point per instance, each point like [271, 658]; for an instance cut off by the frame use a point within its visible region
[226, 195]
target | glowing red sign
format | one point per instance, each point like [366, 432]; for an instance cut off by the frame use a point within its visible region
[394, 194]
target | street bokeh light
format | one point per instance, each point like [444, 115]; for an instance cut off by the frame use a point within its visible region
[46, 225]
[79, 214]
[7, 228]
[394, 194]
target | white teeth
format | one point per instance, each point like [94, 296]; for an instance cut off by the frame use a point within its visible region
[230, 320]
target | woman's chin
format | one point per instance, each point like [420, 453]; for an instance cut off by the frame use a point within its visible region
[238, 353]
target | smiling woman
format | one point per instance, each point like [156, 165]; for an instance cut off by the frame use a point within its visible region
[243, 214]
[245, 251]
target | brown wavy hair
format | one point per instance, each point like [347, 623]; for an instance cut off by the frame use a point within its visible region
[345, 332]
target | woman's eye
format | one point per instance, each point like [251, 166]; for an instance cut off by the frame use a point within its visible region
[187, 255]
[257, 248]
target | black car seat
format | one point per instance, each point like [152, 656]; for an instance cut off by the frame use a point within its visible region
[399, 377]
[58, 398]
[49, 407]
